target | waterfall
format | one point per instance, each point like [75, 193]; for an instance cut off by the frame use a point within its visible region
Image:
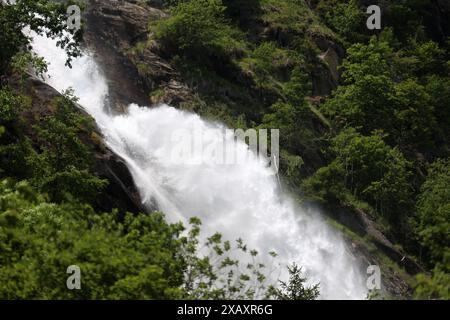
[240, 201]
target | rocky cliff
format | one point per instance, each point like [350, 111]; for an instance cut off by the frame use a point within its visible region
[138, 70]
[121, 192]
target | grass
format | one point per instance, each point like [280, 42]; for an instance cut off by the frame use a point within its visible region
[293, 15]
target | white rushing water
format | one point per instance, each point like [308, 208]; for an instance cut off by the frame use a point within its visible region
[240, 201]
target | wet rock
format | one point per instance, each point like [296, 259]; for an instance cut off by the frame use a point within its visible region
[118, 32]
[121, 192]
[362, 224]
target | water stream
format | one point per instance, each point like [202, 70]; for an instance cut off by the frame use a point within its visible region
[240, 201]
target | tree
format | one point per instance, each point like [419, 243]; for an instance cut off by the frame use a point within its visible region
[375, 172]
[436, 286]
[368, 90]
[57, 161]
[41, 16]
[369, 169]
[293, 123]
[438, 89]
[347, 19]
[62, 167]
[15, 148]
[433, 214]
[132, 257]
[415, 122]
[296, 289]
[379, 93]
[299, 87]
[197, 29]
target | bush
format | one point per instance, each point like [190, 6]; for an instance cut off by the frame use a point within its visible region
[136, 258]
[197, 29]
[62, 167]
[368, 168]
[433, 217]
[10, 106]
[436, 286]
[132, 257]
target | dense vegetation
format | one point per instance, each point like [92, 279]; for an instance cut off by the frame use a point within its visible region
[378, 143]
[132, 257]
[49, 217]
[374, 136]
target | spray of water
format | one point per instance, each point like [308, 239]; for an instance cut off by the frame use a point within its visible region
[240, 201]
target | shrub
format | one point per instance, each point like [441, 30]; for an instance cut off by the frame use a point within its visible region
[197, 29]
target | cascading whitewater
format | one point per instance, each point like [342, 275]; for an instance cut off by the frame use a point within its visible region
[240, 201]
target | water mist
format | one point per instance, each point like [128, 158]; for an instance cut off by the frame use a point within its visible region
[240, 201]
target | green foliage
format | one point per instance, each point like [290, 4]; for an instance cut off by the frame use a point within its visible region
[433, 218]
[197, 29]
[296, 289]
[298, 87]
[391, 118]
[290, 120]
[438, 89]
[415, 121]
[408, 19]
[435, 287]
[63, 164]
[60, 131]
[428, 57]
[326, 185]
[10, 106]
[40, 16]
[134, 257]
[169, 3]
[268, 60]
[369, 169]
[14, 157]
[345, 18]
[406, 110]
[290, 167]
[297, 138]
[292, 17]
[59, 163]
[368, 93]
[222, 270]
[388, 118]
[22, 61]
[14, 147]
[251, 64]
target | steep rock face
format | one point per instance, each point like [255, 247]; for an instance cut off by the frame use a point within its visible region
[326, 77]
[117, 31]
[137, 70]
[109, 32]
[121, 192]
[361, 223]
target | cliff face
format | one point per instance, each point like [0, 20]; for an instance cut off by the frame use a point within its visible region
[135, 66]
[113, 30]
[121, 192]
[119, 33]
[140, 70]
